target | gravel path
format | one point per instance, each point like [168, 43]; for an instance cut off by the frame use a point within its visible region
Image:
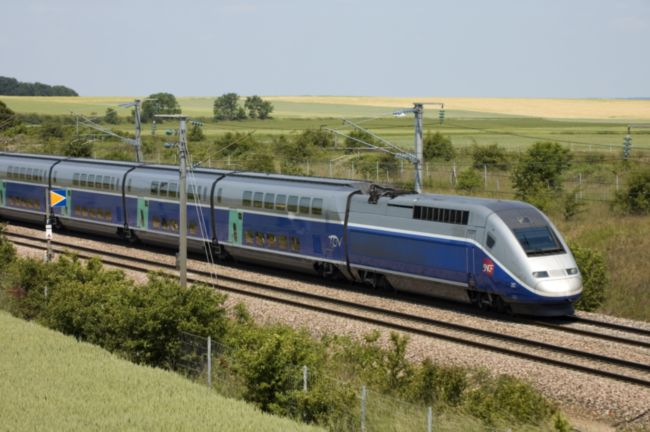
[583, 395]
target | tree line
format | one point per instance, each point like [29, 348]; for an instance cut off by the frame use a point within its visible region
[13, 87]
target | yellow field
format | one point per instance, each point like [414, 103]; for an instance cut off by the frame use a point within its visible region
[333, 106]
[615, 109]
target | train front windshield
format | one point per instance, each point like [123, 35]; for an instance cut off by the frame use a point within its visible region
[538, 240]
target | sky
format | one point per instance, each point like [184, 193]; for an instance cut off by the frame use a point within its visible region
[450, 48]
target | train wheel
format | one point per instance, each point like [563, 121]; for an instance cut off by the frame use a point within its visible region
[501, 306]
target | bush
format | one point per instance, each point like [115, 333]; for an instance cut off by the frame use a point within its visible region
[437, 146]
[507, 399]
[491, 155]
[594, 278]
[78, 148]
[437, 384]
[635, 199]
[469, 180]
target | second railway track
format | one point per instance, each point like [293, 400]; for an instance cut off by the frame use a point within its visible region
[592, 363]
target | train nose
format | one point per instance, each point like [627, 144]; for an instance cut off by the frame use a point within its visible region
[565, 286]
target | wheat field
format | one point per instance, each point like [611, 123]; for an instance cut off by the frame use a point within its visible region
[359, 106]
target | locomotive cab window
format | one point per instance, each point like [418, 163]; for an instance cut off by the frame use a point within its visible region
[490, 241]
[538, 240]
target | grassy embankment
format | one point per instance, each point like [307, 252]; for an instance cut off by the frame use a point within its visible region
[52, 382]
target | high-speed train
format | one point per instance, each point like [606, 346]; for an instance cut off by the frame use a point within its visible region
[499, 254]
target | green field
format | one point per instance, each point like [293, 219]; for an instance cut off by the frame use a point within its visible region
[51, 382]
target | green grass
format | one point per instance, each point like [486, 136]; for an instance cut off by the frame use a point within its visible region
[50, 382]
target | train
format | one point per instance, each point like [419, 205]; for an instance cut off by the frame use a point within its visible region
[496, 254]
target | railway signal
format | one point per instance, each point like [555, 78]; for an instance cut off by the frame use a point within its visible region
[441, 114]
[627, 146]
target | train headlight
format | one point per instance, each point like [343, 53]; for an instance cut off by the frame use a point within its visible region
[572, 271]
[540, 274]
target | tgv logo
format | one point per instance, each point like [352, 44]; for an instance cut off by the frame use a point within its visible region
[488, 266]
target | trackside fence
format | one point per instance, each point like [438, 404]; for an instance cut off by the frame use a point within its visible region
[361, 408]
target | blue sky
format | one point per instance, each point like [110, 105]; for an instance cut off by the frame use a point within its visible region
[499, 48]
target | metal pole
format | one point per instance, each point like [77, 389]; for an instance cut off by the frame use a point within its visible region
[138, 132]
[429, 419]
[304, 378]
[182, 184]
[363, 408]
[419, 154]
[485, 176]
[210, 361]
[48, 226]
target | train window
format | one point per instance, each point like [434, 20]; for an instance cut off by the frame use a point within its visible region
[91, 180]
[259, 239]
[154, 188]
[128, 187]
[317, 207]
[292, 205]
[281, 202]
[117, 183]
[92, 213]
[29, 174]
[23, 173]
[155, 222]
[205, 193]
[490, 241]
[247, 199]
[269, 198]
[174, 225]
[84, 180]
[219, 191]
[295, 244]
[304, 205]
[107, 182]
[192, 228]
[173, 190]
[163, 188]
[271, 240]
[75, 179]
[248, 237]
[282, 242]
[257, 199]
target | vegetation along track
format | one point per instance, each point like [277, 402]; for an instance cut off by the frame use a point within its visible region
[616, 368]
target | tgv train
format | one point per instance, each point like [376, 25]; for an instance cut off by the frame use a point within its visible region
[497, 254]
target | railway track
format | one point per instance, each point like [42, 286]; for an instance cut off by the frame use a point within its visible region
[616, 368]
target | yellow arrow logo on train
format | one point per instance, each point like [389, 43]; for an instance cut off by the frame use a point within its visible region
[57, 197]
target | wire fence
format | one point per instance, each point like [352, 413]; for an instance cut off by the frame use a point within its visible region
[358, 407]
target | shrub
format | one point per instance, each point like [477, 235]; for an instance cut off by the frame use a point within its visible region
[508, 399]
[437, 384]
[635, 199]
[469, 180]
[491, 155]
[438, 146]
[78, 148]
[594, 277]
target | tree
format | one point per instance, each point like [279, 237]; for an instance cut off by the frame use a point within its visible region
[159, 103]
[594, 277]
[226, 107]
[539, 171]
[491, 155]
[111, 116]
[258, 108]
[13, 87]
[7, 117]
[78, 148]
[437, 146]
[196, 133]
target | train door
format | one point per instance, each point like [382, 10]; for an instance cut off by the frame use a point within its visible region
[235, 223]
[2, 193]
[471, 235]
[143, 213]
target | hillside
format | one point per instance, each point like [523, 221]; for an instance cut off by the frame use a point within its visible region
[52, 382]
